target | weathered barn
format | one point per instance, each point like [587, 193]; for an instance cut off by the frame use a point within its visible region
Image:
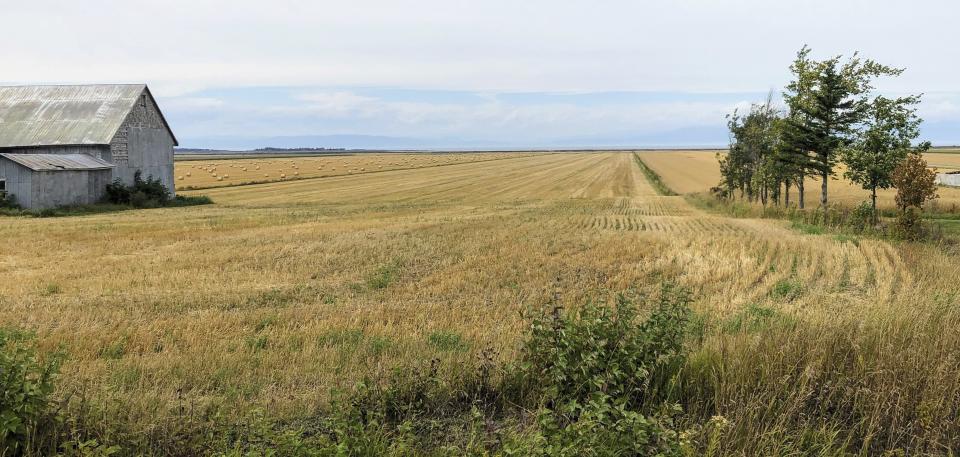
[61, 145]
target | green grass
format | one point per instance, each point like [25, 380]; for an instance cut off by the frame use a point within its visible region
[447, 341]
[100, 208]
[653, 178]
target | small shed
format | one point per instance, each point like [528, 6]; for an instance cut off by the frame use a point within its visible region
[51, 180]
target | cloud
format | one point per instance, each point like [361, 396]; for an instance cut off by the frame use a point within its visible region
[494, 45]
[192, 103]
[493, 68]
[528, 117]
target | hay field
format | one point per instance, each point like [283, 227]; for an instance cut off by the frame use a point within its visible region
[697, 171]
[212, 172]
[281, 292]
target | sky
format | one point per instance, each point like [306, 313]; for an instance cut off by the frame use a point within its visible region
[486, 73]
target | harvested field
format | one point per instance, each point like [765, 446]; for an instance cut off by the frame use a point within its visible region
[281, 292]
[202, 174]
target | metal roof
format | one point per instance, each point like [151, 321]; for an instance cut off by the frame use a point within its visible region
[33, 116]
[58, 162]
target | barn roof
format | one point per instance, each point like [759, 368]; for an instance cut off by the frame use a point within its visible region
[33, 116]
[58, 162]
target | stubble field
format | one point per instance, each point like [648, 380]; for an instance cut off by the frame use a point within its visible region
[281, 292]
[213, 172]
[697, 171]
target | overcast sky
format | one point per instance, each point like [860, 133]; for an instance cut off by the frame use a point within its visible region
[515, 72]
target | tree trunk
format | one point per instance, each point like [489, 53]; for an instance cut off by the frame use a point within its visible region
[800, 191]
[823, 188]
[873, 201]
[786, 193]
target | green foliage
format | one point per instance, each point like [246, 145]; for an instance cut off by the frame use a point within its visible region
[863, 216]
[909, 225]
[149, 193]
[886, 138]
[787, 289]
[26, 386]
[191, 200]
[8, 201]
[808, 229]
[602, 429]
[827, 100]
[447, 341]
[89, 448]
[384, 276]
[598, 372]
[753, 164]
[751, 319]
[609, 349]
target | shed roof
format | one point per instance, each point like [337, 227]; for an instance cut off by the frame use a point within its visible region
[58, 162]
[33, 116]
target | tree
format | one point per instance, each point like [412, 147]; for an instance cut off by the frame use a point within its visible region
[749, 165]
[884, 142]
[916, 184]
[827, 99]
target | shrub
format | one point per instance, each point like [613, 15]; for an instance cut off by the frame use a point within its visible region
[149, 193]
[909, 225]
[863, 217]
[8, 201]
[607, 348]
[26, 384]
[602, 377]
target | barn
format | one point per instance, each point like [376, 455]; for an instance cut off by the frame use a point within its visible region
[61, 145]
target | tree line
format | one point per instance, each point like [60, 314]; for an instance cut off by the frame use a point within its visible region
[830, 116]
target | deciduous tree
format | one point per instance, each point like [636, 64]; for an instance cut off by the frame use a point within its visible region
[883, 143]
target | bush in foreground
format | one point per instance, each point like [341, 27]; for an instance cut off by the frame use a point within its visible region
[594, 380]
[26, 384]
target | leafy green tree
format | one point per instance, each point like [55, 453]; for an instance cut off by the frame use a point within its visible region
[749, 164]
[886, 138]
[827, 100]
